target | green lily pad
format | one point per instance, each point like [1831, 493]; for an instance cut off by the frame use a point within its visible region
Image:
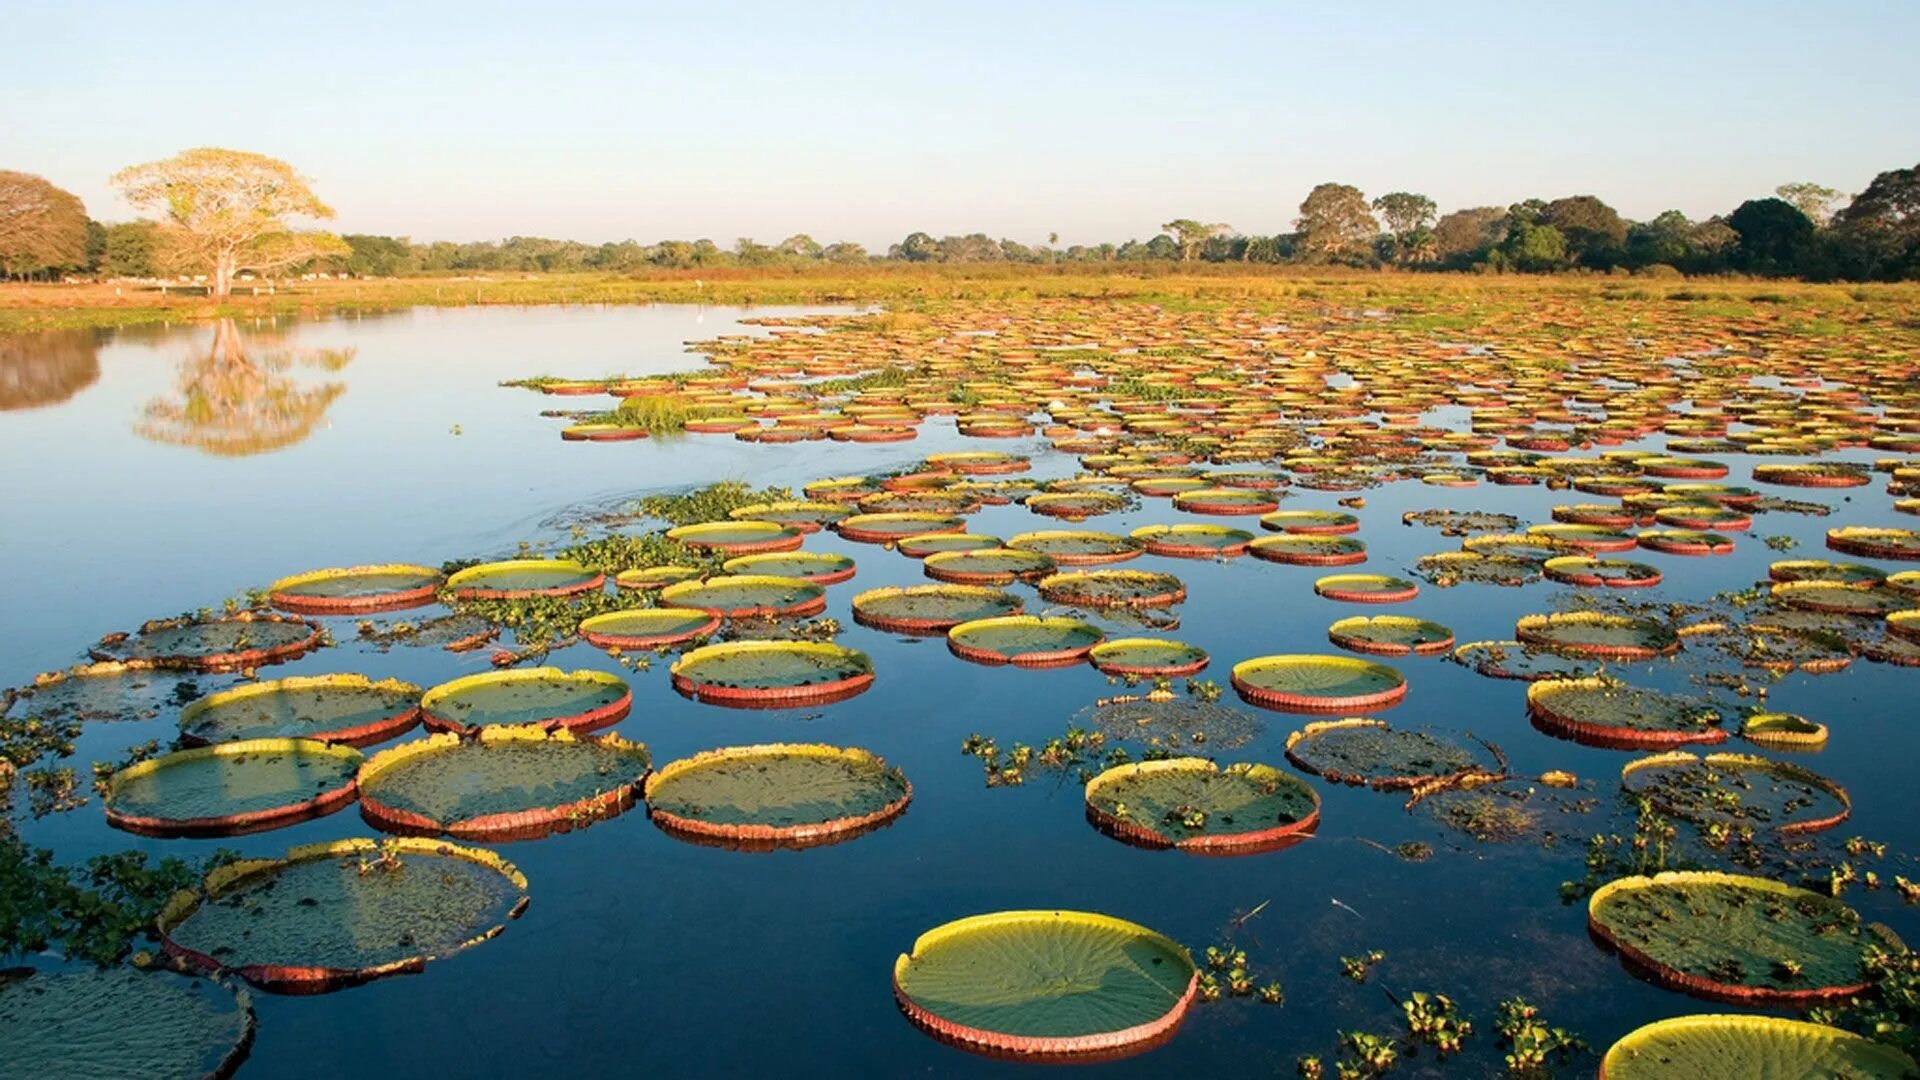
[120, 1023]
[1376, 754]
[1194, 803]
[503, 783]
[1688, 1047]
[232, 787]
[349, 709]
[1738, 789]
[786, 793]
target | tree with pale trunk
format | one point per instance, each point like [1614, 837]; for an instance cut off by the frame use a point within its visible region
[42, 228]
[1816, 201]
[223, 212]
[1193, 235]
[1335, 221]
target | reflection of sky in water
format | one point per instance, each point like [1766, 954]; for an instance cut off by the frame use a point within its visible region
[105, 529]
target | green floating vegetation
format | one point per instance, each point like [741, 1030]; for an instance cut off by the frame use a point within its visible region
[783, 794]
[1728, 937]
[1046, 984]
[349, 709]
[1193, 803]
[1688, 1047]
[334, 914]
[119, 1022]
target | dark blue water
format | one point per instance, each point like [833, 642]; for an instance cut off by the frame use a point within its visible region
[640, 953]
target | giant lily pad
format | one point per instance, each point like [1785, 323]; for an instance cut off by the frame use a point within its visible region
[1193, 541]
[1112, 588]
[1310, 522]
[580, 700]
[1046, 984]
[819, 567]
[114, 1023]
[771, 674]
[1024, 641]
[1070, 548]
[738, 537]
[1514, 660]
[231, 788]
[228, 643]
[1147, 657]
[348, 709]
[1688, 1047]
[989, 566]
[1728, 937]
[503, 783]
[1738, 789]
[1594, 633]
[519, 578]
[1318, 684]
[738, 596]
[1366, 588]
[1390, 635]
[1376, 754]
[388, 587]
[648, 628]
[1604, 712]
[1194, 804]
[778, 795]
[1306, 549]
[1611, 573]
[1449, 568]
[335, 914]
[930, 609]
[888, 528]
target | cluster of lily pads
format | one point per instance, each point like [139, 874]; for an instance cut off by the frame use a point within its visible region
[1210, 415]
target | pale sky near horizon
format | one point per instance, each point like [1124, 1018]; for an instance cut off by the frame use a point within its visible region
[866, 121]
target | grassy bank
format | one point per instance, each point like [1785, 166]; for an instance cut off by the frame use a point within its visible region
[27, 307]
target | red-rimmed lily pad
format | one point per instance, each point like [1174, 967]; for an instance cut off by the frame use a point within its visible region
[738, 537]
[1112, 588]
[1596, 633]
[1193, 541]
[1024, 641]
[781, 795]
[504, 783]
[772, 674]
[1840, 598]
[1689, 1047]
[337, 914]
[1390, 635]
[580, 700]
[352, 710]
[1375, 754]
[739, 596]
[1784, 731]
[1825, 570]
[1874, 543]
[1312, 683]
[1738, 790]
[930, 609]
[1147, 657]
[1226, 501]
[513, 579]
[1046, 984]
[1813, 474]
[655, 578]
[989, 566]
[920, 547]
[226, 643]
[819, 567]
[232, 788]
[1604, 712]
[1684, 542]
[1734, 938]
[353, 589]
[1366, 588]
[1195, 805]
[891, 528]
[1515, 660]
[1077, 548]
[647, 628]
[1310, 522]
[1589, 572]
[795, 514]
[1310, 550]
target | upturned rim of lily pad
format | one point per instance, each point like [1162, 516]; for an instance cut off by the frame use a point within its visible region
[1618, 1063]
[463, 587]
[854, 677]
[282, 594]
[1249, 841]
[321, 803]
[759, 837]
[361, 735]
[626, 629]
[598, 716]
[1077, 640]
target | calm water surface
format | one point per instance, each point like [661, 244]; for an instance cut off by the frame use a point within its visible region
[643, 954]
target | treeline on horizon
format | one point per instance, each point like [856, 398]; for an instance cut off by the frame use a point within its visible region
[1804, 230]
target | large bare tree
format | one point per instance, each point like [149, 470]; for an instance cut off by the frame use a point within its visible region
[41, 227]
[225, 211]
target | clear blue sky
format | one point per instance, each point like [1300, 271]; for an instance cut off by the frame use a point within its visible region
[861, 121]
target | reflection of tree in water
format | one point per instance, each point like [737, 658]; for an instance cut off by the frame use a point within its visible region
[236, 401]
[47, 368]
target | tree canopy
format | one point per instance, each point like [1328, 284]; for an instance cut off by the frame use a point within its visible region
[225, 211]
[43, 229]
[1335, 222]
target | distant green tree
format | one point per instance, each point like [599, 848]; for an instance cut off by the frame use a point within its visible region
[919, 247]
[1409, 217]
[1162, 247]
[130, 251]
[1662, 240]
[1816, 201]
[43, 229]
[1710, 247]
[1595, 233]
[752, 254]
[1469, 236]
[1191, 235]
[800, 246]
[96, 245]
[1335, 223]
[1532, 248]
[845, 251]
[1877, 236]
[377, 256]
[1774, 236]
